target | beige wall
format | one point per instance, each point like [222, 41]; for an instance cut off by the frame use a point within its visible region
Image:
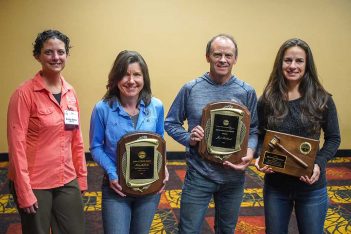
[171, 35]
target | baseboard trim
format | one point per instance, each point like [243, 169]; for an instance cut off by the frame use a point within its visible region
[343, 153]
[179, 155]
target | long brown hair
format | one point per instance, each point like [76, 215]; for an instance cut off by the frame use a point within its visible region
[118, 71]
[275, 95]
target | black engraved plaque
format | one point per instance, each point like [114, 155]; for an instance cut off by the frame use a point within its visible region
[224, 131]
[273, 159]
[142, 162]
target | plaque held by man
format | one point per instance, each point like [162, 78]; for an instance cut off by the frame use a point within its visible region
[288, 154]
[141, 158]
[226, 130]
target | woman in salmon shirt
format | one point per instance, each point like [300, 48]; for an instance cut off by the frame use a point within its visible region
[47, 168]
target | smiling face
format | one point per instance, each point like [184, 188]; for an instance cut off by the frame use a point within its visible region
[132, 82]
[221, 59]
[52, 56]
[294, 64]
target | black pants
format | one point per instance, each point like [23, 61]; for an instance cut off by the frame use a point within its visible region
[59, 208]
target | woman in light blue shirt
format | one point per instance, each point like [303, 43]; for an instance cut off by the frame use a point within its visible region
[126, 107]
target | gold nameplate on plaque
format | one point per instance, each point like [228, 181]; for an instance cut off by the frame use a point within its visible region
[141, 161]
[288, 154]
[226, 126]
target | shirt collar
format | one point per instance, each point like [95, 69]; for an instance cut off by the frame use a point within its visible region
[208, 78]
[116, 106]
[39, 83]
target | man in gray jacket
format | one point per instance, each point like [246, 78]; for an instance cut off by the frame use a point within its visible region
[203, 179]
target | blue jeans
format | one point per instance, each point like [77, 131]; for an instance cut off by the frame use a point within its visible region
[127, 214]
[310, 209]
[196, 195]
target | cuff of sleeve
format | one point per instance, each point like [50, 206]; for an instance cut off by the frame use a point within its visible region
[83, 183]
[112, 176]
[257, 152]
[320, 163]
[187, 143]
[252, 145]
[26, 199]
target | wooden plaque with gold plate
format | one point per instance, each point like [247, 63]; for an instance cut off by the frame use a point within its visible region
[226, 126]
[288, 154]
[141, 158]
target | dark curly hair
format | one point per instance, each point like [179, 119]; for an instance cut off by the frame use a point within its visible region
[275, 94]
[46, 35]
[118, 71]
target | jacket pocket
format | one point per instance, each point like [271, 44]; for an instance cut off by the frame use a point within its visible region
[47, 116]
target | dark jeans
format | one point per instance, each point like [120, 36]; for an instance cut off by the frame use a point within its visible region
[310, 209]
[60, 209]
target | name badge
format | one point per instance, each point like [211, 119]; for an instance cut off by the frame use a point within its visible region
[71, 118]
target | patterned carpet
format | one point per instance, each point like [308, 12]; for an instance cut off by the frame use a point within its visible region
[251, 218]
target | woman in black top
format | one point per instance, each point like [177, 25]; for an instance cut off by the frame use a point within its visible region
[295, 102]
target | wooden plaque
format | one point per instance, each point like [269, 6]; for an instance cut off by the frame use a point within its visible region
[226, 126]
[288, 154]
[141, 158]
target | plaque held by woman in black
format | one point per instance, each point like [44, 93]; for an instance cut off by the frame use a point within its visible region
[288, 154]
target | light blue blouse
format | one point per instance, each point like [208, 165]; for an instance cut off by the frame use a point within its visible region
[109, 124]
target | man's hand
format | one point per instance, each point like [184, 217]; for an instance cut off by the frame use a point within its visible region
[117, 188]
[245, 161]
[196, 135]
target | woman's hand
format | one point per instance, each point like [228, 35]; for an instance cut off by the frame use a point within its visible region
[265, 169]
[31, 209]
[196, 135]
[165, 180]
[117, 188]
[315, 175]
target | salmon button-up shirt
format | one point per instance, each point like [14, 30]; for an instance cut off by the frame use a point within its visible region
[43, 154]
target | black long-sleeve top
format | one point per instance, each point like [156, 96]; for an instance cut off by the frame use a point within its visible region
[292, 124]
